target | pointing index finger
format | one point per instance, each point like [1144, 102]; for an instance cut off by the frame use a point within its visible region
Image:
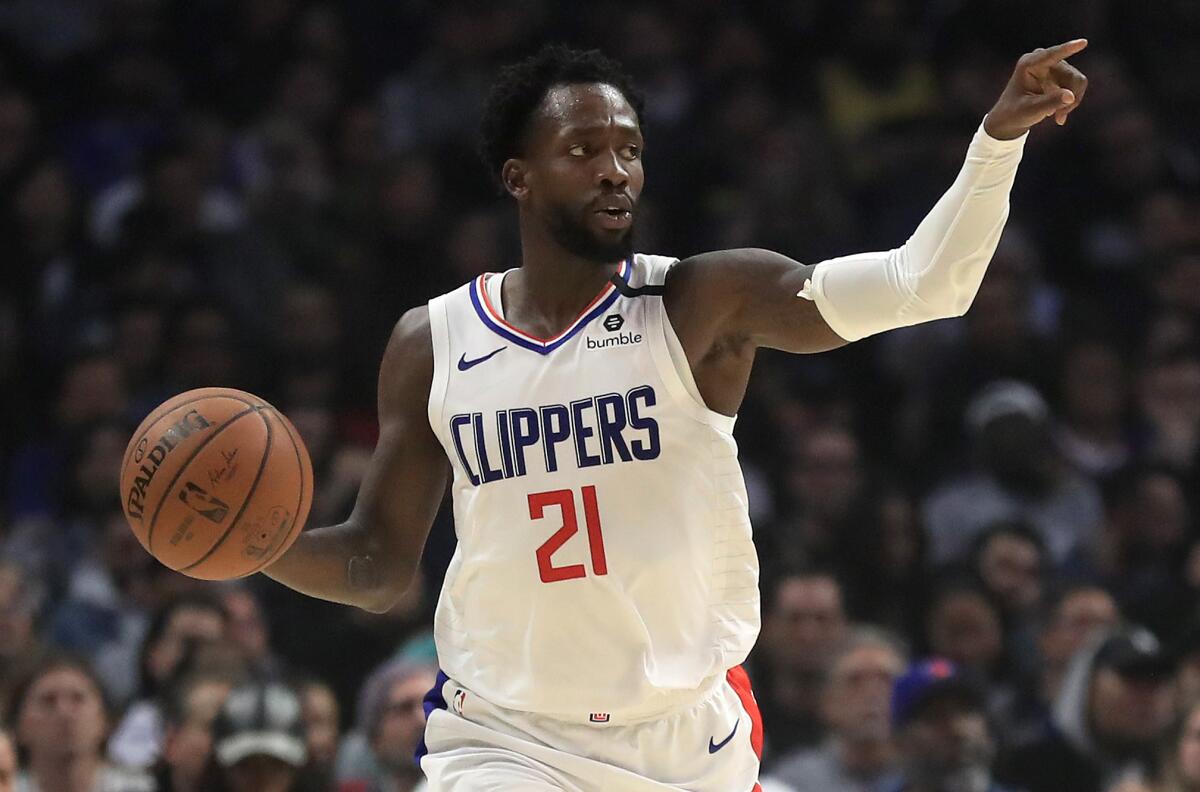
[1059, 52]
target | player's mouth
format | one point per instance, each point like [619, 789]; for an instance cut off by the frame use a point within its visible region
[615, 218]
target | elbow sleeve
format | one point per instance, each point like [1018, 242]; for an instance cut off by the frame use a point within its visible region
[937, 272]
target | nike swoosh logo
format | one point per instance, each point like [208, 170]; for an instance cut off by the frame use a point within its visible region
[464, 364]
[714, 747]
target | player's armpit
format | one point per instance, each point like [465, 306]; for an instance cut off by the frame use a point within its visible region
[371, 559]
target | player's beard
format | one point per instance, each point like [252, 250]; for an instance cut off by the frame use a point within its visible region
[580, 240]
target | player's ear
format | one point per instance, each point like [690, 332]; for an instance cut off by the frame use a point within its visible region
[515, 178]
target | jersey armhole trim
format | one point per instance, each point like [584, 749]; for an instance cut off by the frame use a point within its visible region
[671, 362]
[439, 329]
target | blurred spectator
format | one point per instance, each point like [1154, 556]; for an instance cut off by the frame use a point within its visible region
[855, 706]
[1095, 390]
[90, 395]
[178, 629]
[322, 730]
[258, 742]
[378, 755]
[877, 77]
[1009, 560]
[61, 722]
[1186, 651]
[1021, 476]
[203, 349]
[1073, 619]
[1169, 404]
[965, 626]
[21, 649]
[1115, 704]
[8, 763]
[1147, 540]
[1180, 754]
[110, 596]
[827, 484]
[892, 577]
[18, 124]
[192, 707]
[171, 193]
[942, 731]
[804, 623]
[246, 626]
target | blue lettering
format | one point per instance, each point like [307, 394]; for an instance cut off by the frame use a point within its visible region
[455, 423]
[582, 433]
[488, 473]
[610, 411]
[524, 434]
[506, 455]
[552, 435]
[650, 448]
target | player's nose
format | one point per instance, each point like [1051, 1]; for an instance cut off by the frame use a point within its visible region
[611, 171]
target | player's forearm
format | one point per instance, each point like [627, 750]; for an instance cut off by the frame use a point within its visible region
[937, 272]
[340, 564]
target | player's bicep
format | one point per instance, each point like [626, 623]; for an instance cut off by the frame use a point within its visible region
[406, 478]
[752, 293]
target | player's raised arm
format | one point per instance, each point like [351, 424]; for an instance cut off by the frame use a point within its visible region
[371, 558]
[751, 295]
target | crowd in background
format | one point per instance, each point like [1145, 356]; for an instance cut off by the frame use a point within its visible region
[249, 193]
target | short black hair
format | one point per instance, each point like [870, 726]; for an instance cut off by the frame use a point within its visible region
[521, 86]
[1015, 527]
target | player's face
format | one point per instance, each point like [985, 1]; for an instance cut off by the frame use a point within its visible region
[583, 170]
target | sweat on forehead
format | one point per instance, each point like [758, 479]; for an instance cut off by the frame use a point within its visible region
[579, 104]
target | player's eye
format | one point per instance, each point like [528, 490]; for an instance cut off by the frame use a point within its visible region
[578, 150]
[633, 152]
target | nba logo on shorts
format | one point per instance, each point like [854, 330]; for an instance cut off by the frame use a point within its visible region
[598, 717]
[460, 698]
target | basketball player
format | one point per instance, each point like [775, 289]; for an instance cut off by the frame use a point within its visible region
[605, 585]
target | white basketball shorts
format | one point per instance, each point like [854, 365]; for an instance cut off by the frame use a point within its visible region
[472, 745]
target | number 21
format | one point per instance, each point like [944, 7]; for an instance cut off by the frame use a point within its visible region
[565, 501]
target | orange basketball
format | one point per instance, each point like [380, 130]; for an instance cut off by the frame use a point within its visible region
[216, 483]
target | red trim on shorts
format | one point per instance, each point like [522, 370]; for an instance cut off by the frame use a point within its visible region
[740, 682]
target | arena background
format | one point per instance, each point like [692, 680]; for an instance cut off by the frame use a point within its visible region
[249, 193]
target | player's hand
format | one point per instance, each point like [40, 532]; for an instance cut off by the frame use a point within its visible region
[1042, 85]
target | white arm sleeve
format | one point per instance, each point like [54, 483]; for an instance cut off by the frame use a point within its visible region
[937, 272]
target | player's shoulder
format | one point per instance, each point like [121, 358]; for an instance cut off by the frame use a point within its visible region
[408, 359]
[715, 263]
[412, 330]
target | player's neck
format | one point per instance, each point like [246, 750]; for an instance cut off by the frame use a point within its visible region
[552, 286]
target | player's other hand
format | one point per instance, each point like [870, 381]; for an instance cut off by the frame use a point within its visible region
[1042, 85]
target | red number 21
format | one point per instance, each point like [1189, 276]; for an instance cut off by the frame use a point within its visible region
[565, 501]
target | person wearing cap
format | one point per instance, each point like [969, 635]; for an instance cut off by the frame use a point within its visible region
[258, 741]
[1020, 476]
[1115, 704]
[942, 731]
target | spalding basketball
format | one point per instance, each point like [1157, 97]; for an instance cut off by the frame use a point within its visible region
[216, 483]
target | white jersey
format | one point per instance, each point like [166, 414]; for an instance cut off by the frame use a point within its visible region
[605, 567]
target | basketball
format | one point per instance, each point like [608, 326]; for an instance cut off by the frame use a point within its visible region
[216, 483]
